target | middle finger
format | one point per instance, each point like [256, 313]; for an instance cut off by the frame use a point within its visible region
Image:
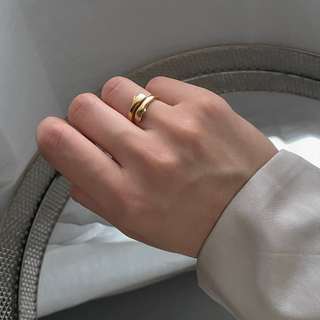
[103, 125]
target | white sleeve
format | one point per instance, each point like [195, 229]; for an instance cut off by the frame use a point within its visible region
[262, 259]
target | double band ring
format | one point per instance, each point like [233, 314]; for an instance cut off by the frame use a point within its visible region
[139, 107]
[136, 102]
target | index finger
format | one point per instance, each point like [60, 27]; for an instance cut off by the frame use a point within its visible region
[78, 159]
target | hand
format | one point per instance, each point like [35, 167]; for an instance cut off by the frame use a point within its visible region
[171, 176]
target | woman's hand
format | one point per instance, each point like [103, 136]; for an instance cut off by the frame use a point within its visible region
[171, 175]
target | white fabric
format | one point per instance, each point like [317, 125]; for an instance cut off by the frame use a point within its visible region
[87, 259]
[262, 259]
[90, 270]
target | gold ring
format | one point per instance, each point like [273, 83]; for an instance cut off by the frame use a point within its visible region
[142, 109]
[136, 102]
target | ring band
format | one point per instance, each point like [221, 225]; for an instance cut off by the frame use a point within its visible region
[136, 102]
[142, 109]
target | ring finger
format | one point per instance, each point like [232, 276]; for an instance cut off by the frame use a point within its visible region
[118, 93]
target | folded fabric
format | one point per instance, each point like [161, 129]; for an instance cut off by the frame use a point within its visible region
[73, 274]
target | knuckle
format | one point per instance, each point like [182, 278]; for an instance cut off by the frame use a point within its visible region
[167, 164]
[190, 130]
[112, 87]
[154, 82]
[212, 106]
[80, 107]
[163, 163]
[189, 133]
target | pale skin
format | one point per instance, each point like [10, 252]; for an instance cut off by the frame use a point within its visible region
[171, 176]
